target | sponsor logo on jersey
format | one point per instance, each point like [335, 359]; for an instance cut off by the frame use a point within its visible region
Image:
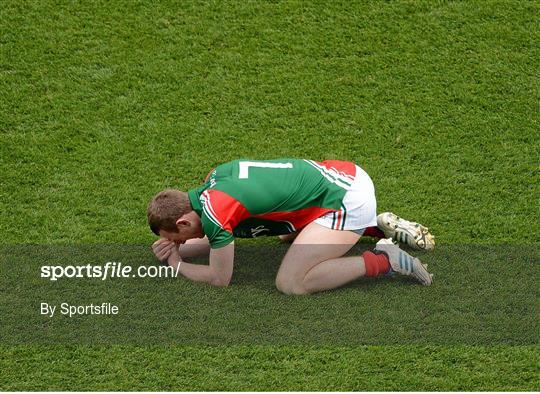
[255, 232]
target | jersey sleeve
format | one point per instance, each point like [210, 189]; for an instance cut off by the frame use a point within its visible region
[217, 235]
[221, 213]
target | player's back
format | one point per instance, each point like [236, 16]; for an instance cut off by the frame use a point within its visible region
[248, 198]
[271, 185]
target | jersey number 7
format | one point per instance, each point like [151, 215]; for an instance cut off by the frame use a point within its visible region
[243, 172]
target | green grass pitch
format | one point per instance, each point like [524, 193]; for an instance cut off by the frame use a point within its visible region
[102, 104]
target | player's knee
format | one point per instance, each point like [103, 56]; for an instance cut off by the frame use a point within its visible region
[290, 287]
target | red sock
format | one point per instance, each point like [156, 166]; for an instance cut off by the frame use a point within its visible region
[375, 232]
[376, 264]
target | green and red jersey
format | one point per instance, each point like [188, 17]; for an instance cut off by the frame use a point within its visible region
[246, 199]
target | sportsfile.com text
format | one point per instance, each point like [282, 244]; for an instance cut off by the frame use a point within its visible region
[108, 270]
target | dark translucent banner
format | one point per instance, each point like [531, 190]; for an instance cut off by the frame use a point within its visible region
[481, 295]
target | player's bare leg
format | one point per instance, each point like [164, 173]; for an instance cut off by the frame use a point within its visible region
[195, 247]
[314, 261]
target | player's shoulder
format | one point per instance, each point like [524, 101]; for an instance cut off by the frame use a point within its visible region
[224, 170]
[221, 209]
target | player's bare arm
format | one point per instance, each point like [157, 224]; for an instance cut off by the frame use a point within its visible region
[217, 273]
[197, 247]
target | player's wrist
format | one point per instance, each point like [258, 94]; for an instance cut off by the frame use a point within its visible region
[178, 265]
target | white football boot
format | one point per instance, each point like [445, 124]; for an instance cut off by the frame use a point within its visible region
[413, 234]
[403, 263]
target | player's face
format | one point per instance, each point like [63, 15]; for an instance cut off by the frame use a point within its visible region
[178, 238]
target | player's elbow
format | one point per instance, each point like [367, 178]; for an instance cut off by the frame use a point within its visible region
[220, 281]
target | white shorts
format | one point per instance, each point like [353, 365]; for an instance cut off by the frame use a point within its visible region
[358, 209]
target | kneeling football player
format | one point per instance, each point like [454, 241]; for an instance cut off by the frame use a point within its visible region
[323, 207]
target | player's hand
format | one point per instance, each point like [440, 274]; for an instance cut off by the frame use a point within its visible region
[162, 249]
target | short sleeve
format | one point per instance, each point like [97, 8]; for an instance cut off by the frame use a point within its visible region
[217, 236]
